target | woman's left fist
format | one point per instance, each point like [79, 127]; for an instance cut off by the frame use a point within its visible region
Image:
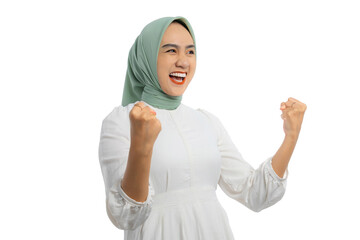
[292, 113]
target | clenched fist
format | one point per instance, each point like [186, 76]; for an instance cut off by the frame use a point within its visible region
[292, 113]
[145, 127]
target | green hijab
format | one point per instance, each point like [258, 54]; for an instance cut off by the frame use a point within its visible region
[141, 82]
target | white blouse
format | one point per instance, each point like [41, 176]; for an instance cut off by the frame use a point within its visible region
[192, 154]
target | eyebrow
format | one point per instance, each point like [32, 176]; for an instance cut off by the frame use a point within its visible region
[177, 46]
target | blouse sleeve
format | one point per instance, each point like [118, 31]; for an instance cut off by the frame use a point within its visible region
[258, 188]
[124, 212]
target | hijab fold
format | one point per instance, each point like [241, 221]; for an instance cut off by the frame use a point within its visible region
[141, 81]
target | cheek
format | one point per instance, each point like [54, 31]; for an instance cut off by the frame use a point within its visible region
[193, 64]
[193, 67]
[163, 61]
[160, 69]
[162, 79]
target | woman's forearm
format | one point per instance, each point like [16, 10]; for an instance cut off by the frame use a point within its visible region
[144, 130]
[282, 157]
[136, 178]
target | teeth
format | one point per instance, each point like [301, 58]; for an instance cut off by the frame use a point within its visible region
[178, 74]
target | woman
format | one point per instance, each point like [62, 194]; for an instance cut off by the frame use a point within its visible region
[161, 160]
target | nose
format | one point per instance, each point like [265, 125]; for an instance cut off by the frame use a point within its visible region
[182, 61]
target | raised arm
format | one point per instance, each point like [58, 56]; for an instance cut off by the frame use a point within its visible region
[293, 114]
[145, 128]
[257, 188]
[125, 160]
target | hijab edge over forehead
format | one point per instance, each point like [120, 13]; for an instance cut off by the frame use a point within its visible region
[141, 81]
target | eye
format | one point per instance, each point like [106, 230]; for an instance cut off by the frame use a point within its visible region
[191, 52]
[171, 50]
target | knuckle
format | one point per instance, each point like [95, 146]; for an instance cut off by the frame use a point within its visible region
[147, 118]
[141, 118]
[141, 103]
[132, 115]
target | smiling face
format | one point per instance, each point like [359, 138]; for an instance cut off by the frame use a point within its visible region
[176, 61]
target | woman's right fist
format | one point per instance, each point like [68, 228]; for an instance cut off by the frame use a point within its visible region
[145, 127]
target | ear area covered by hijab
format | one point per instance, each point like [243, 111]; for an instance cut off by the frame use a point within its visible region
[141, 81]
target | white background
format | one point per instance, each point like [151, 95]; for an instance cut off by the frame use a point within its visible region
[62, 70]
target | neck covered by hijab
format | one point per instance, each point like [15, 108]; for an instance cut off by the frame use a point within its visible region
[141, 82]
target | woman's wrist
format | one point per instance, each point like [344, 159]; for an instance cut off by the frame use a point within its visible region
[292, 136]
[141, 148]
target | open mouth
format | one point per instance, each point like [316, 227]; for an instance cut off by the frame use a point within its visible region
[177, 77]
